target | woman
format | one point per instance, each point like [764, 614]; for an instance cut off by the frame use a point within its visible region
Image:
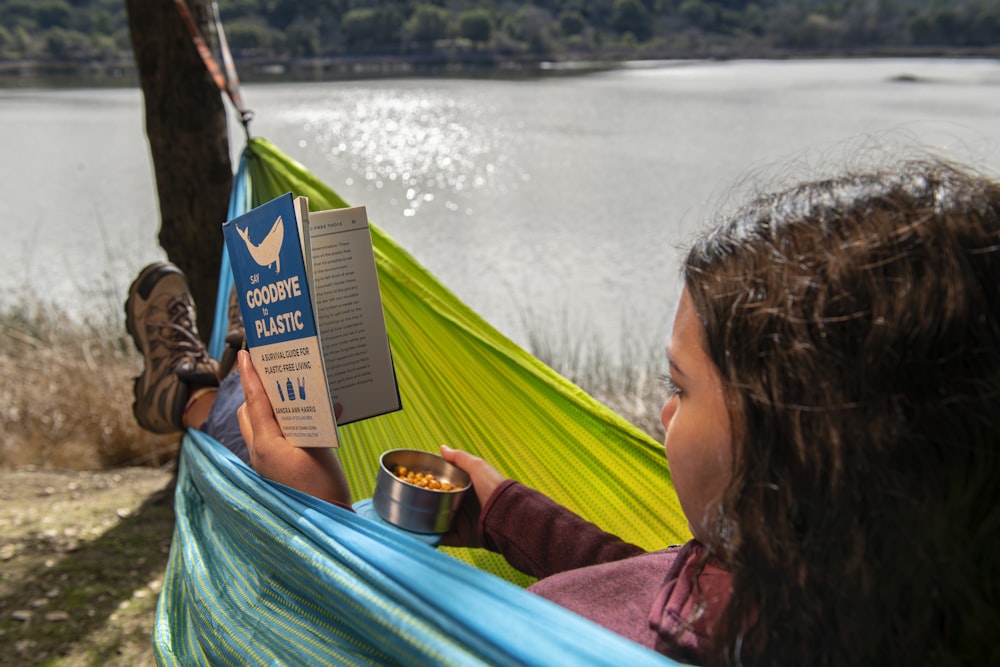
[834, 439]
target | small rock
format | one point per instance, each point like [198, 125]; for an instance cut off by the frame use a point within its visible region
[55, 616]
[39, 602]
[7, 551]
[22, 615]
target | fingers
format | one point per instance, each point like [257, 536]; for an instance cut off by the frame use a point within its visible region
[452, 455]
[259, 414]
[246, 430]
[464, 460]
[485, 478]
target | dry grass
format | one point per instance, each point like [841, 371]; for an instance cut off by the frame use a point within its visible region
[66, 395]
[630, 384]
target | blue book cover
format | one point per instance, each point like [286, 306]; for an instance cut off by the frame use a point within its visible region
[266, 253]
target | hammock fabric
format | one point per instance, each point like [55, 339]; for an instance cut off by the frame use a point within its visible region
[261, 574]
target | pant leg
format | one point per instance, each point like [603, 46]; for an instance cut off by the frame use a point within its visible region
[222, 423]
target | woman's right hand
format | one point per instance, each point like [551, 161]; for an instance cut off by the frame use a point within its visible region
[464, 531]
[313, 470]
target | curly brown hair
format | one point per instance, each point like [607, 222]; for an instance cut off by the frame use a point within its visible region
[856, 324]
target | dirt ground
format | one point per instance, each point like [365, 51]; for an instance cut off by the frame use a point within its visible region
[82, 556]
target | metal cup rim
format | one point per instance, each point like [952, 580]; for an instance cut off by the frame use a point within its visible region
[452, 468]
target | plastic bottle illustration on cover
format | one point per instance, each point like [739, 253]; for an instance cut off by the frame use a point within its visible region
[288, 392]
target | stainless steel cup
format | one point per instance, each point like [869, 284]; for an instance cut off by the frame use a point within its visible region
[413, 507]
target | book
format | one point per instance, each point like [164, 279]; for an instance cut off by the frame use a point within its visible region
[308, 290]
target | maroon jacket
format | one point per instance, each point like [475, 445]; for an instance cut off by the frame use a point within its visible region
[657, 599]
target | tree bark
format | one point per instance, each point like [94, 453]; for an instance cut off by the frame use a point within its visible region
[189, 142]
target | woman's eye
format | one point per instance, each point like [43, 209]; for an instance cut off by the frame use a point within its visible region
[671, 387]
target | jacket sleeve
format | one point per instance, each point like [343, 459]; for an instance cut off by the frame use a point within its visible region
[540, 537]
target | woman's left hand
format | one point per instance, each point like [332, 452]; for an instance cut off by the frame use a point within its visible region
[464, 531]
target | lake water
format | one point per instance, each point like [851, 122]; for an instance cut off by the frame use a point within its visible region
[554, 205]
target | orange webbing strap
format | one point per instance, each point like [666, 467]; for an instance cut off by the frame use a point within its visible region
[227, 81]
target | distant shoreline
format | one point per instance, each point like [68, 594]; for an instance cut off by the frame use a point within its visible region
[121, 73]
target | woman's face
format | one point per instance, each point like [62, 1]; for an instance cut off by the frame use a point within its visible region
[699, 436]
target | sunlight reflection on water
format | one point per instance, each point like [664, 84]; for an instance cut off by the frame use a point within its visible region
[556, 205]
[428, 145]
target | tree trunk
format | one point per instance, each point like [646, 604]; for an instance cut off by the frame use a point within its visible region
[189, 142]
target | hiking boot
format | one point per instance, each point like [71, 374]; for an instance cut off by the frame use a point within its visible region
[160, 317]
[235, 335]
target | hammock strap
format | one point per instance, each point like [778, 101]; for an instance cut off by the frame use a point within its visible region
[226, 79]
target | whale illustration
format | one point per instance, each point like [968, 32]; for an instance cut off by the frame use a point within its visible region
[268, 251]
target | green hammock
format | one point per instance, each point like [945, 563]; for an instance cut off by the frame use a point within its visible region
[261, 574]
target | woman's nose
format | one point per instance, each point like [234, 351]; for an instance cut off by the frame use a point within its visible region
[669, 408]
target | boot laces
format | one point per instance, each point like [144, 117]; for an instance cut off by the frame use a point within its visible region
[178, 335]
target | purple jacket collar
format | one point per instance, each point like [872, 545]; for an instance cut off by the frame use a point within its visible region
[689, 604]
